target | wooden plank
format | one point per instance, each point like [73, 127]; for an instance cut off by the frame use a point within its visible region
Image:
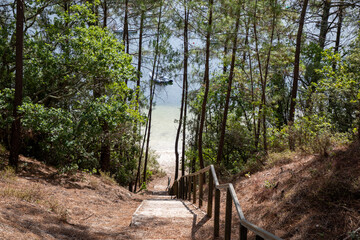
[217, 213]
[190, 187]
[228, 215]
[200, 171]
[201, 190]
[210, 195]
[213, 172]
[194, 193]
[185, 188]
[243, 232]
[259, 231]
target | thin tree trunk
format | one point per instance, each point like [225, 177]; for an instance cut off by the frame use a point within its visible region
[322, 38]
[152, 91]
[105, 14]
[105, 152]
[186, 56]
[228, 93]
[261, 76]
[265, 78]
[142, 18]
[16, 125]
[324, 23]
[256, 138]
[225, 54]
[178, 133]
[105, 148]
[137, 179]
[296, 74]
[138, 92]
[338, 32]
[206, 81]
[181, 109]
[195, 147]
[126, 27]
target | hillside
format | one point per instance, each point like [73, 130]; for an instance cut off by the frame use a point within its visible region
[39, 203]
[294, 196]
[301, 196]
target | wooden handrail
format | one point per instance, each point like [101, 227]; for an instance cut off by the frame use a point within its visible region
[183, 187]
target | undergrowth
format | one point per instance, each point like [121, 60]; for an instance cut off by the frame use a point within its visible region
[7, 174]
[32, 194]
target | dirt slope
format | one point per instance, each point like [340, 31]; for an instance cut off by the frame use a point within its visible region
[301, 197]
[38, 203]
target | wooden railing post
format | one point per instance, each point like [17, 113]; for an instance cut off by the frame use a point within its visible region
[243, 232]
[228, 215]
[190, 187]
[182, 188]
[176, 189]
[210, 194]
[185, 188]
[194, 193]
[201, 190]
[217, 213]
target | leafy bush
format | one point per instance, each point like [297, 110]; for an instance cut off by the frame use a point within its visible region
[315, 134]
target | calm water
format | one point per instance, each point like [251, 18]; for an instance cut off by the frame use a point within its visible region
[163, 127]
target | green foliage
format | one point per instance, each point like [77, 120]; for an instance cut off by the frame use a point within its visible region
[340, 88]
[6, 101]
[269, 185]
[74, 82]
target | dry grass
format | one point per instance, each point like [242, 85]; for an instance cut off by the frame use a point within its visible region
[280, 158]
[8, 174]
[31, 194]
[58, 208]
[106, 178]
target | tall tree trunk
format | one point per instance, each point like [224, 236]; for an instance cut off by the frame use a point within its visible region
[261, 76]
[324, 23]
[182, 103]
[256, 137]
[266, 76]
[105, 147]
[138, 91]
[206, 82]
[152, 91]
[137, 179]
[322, 38]
[142, 18]
[178, 133]
[225, 53]
[296, 74]
[105, 152]
[195, 146]
[338, 31]
[105, 14]
[16, 125]
[126, 27]
[186, 57]
[228, 93]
